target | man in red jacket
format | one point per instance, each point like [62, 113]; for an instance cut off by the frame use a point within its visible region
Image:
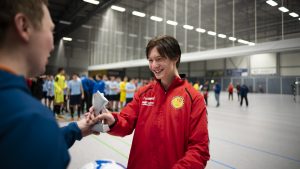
[168, 115]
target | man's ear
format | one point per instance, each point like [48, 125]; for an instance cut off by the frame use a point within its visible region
[23, 26]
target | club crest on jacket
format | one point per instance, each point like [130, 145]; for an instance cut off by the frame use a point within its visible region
[177, 102]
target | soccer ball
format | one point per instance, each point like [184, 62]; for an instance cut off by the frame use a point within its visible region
[103, 164]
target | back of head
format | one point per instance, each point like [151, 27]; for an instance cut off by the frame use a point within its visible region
[33, 9]
[60, 70]
[167, 46]
[98, 77]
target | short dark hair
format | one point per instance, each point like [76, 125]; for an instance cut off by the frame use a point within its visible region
[33, 9]
[167, 46]
[60, 69]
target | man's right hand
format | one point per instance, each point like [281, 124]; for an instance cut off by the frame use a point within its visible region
[105, 116]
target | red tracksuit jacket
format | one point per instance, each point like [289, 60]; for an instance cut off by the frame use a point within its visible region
[170, 127]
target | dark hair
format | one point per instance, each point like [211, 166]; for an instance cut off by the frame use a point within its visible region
[33, 9]
[167, 46]
[60, 69]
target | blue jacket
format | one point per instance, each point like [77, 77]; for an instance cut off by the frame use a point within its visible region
[217, 88]
[244, 90]
[85, 83]
[99, 86]
[29, 134]
[88, 84]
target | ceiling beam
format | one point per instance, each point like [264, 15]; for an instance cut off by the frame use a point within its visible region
[77, 23]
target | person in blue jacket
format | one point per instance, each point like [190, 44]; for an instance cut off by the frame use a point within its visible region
[217, 90]
[244, 92]
[88, 86]
[29, 135]
[99, 84]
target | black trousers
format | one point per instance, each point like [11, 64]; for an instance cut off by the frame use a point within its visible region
[86, 101]
[246, 99]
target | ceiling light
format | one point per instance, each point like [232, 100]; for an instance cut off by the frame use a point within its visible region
[140, 14]
[117, 8]
[81, 40]
[103, 29]
[293, 14]
[119, 32]
[189, 27]
[92, 2]
[155, 18]
[67, 39]
[232, 38]
[65, 22]
[211, 33]
[221, 36]
[272, 3]
[200, 30]
[243, 41]
[251, 44]
[174, 23]
[283, 9]
[132, 35]
[147, 37]
[87, 26]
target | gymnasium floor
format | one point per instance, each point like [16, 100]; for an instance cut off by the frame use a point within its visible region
[265, 135]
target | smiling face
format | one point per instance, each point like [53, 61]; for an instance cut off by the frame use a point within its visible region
[163, 53]
[163, 68]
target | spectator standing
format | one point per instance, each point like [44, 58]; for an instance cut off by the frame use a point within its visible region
[50, 91]
[244, 93]
[75, 91]
[99, 85]
[196, 86]
[217, 90]
[122, 87]
[230, 91]
[130, 89]
[238, 90]
[59, 87]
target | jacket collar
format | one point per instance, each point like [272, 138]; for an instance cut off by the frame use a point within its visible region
[9, 80]
[177, 81]
[7, 69]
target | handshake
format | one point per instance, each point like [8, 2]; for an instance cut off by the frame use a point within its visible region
[99, 103]
[98, 119]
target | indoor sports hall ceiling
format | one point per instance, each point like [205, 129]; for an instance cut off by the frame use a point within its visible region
[199, 24]
[68, 15]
